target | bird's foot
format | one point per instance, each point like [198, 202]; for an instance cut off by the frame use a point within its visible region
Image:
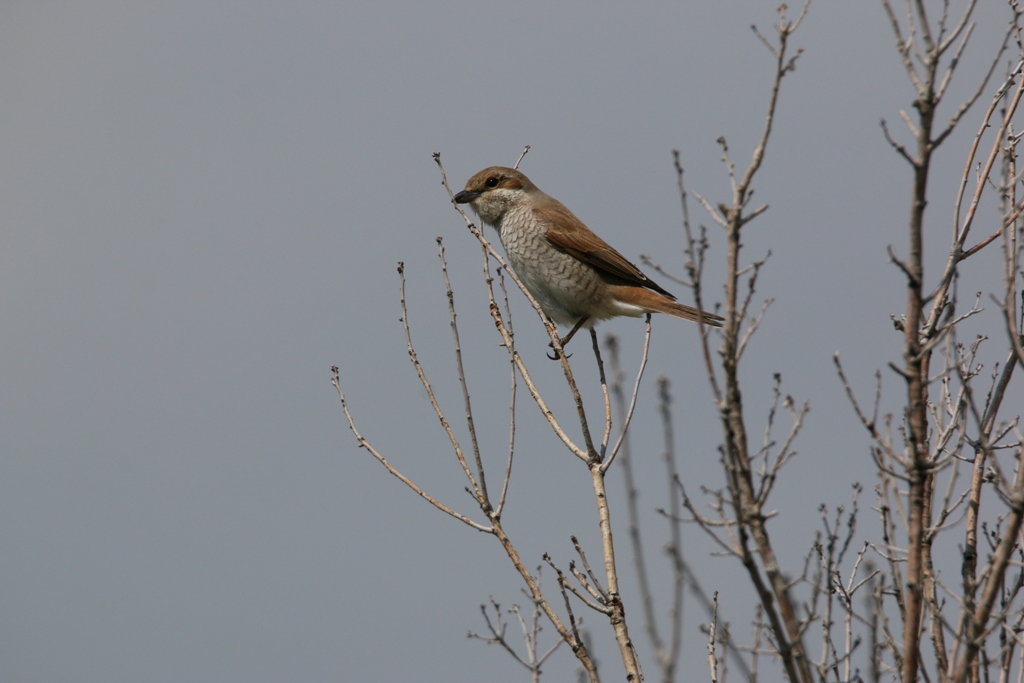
[556, 354]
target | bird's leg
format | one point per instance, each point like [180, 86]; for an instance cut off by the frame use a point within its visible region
[565, 340]
[575, 328]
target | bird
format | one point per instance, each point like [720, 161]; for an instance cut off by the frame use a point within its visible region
[577, 278]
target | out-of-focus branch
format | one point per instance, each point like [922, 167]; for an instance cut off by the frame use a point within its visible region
[712, 657]
[923, 332]
[996, 570]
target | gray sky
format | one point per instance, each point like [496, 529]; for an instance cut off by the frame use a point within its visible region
[201, 209]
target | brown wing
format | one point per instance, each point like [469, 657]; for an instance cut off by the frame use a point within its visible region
[568, 234]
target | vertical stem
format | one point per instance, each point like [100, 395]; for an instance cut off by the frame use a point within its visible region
[916, 364]
[750, 516]
[632, 510]
[617, 615]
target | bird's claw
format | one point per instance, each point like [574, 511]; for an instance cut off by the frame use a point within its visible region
[557, 354]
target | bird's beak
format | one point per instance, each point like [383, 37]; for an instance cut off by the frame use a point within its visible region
[465, 197]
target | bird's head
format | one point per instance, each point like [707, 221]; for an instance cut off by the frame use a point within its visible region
[495, 190]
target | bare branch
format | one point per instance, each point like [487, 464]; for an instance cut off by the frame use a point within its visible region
[520, 159]
[364, 443]
[632, 402]
[482, 492]
[712, 657]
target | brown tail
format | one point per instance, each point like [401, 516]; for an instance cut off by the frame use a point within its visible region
[658, 303]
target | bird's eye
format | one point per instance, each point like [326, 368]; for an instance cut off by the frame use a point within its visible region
[492, 182]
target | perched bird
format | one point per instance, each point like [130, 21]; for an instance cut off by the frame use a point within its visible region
[575, 276]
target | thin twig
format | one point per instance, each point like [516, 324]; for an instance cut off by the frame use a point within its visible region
[632, 403]
[364, 443]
